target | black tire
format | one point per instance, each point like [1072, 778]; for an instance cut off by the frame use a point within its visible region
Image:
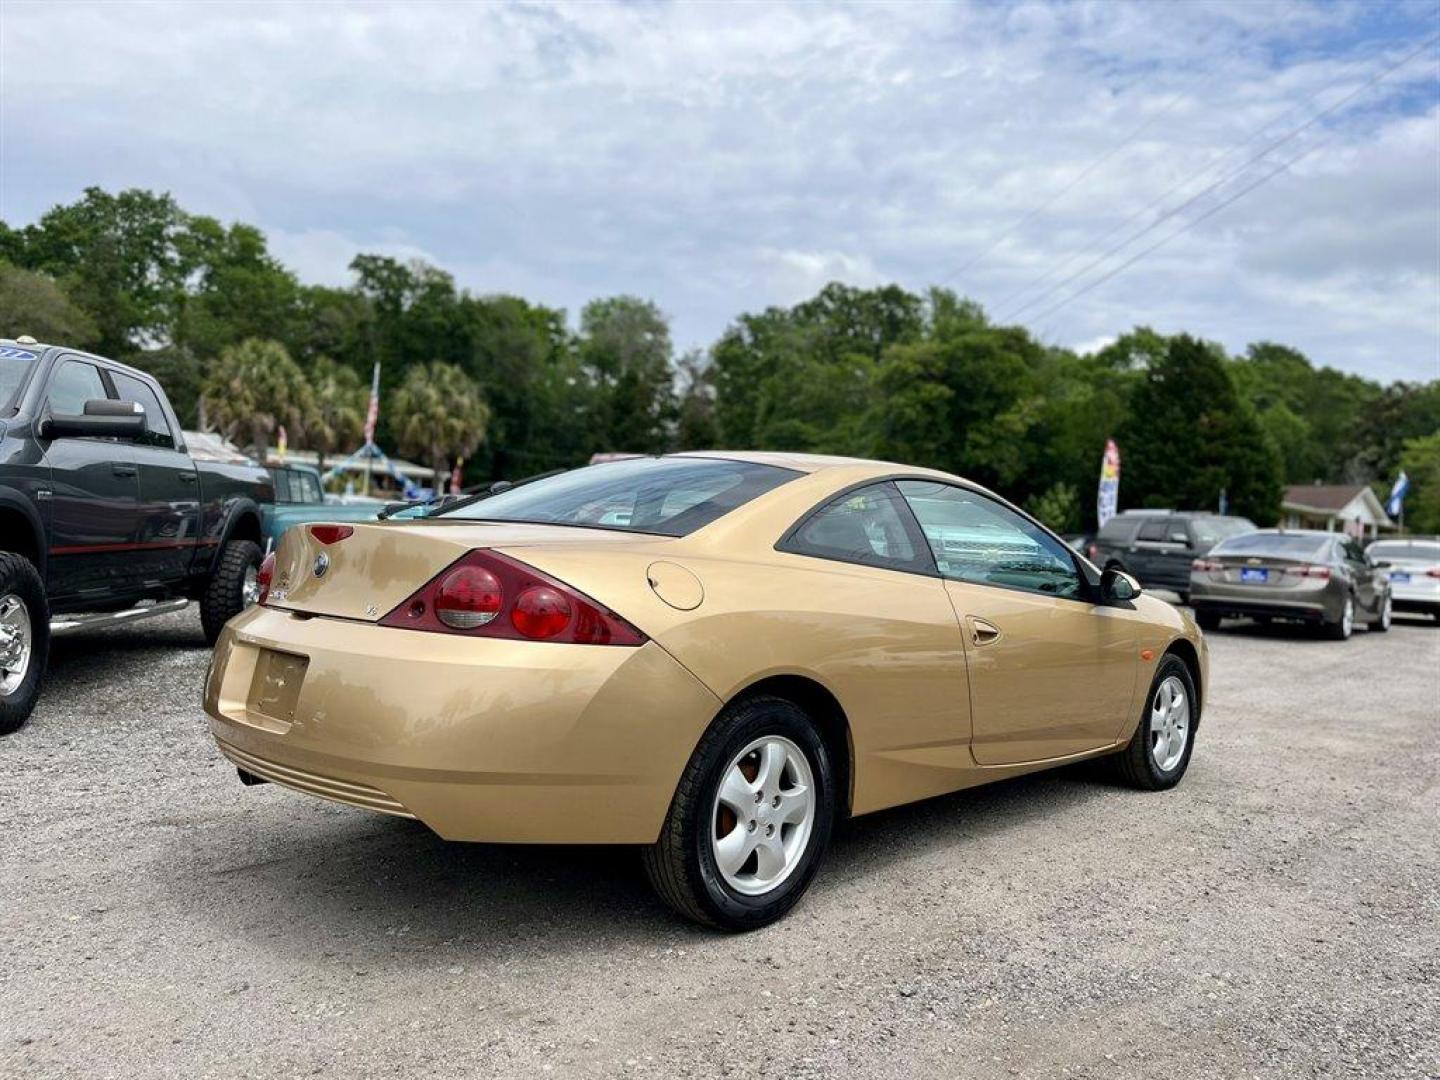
[1337, 630]
[224, 594]
[1207, 621]
[1135, 765]
[1184, 598]
[20, 579]
[681, 863]
[1381, 624]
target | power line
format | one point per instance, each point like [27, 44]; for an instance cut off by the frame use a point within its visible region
[1106, 156]
[1293, 133]
[1283, 166]
[1004, 311]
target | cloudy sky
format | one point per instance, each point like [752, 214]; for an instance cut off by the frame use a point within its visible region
[723, 157]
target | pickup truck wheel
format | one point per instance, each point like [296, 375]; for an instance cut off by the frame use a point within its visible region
[232, 587]
[24, 639]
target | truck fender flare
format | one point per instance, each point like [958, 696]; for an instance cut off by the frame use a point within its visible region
[11, 499]
[237, 510]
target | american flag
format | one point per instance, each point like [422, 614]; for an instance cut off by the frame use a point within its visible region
[372, 414]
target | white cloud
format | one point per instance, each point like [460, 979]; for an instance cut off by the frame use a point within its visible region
[721, 158]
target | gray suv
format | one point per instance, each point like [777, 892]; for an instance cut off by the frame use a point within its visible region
[1156, 547]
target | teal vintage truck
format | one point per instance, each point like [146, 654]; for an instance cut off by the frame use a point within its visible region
[300, 499]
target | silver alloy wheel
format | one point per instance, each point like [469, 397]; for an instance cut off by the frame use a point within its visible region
[250, 587]
[1386, 611]
[16, 643]
[763, 815]
[1347, 618]
[1169, 723]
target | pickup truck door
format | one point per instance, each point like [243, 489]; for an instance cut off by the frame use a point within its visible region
[169, 517]
[94, 500]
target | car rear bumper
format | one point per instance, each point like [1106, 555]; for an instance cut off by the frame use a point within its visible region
[480, 739]
[1318, 602]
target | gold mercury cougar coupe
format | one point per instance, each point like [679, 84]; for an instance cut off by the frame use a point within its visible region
[713, 655]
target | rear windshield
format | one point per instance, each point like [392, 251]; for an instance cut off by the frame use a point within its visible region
[1279, 544]
[15, 365]
[670, 496]
[1406, 549]
[1208, 530]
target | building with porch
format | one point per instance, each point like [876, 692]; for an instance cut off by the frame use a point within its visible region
[1349, 508]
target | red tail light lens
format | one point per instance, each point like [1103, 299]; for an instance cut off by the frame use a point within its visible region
[541, 612]
[1309, 571]
[1092, 550]
[264, 576]
[1434, 571]
[1206, 566]
[330, 534]
[468, 597]
[485, 594]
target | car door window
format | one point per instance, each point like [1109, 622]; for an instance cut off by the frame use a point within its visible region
[157, 428]
[975, 539]
[867, 526]
[310, 488]
[73, 384]
[1156, 531]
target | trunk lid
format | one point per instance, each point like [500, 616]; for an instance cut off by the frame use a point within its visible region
[379, 565]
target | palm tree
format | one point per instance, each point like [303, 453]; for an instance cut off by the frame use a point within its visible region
[439, 413]
[340, 400]
[255, 387]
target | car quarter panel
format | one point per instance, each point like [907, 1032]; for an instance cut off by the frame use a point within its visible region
[480, 738]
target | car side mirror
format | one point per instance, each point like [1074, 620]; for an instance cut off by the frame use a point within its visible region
[102, 419]
[1382, 564]
[1116, 586]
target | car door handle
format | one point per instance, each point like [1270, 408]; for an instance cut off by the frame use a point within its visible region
[188, 478]
[122, 470]
[982, 632]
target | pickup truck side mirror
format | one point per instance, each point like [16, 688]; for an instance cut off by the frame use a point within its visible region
[1116, 586]
[102, 419]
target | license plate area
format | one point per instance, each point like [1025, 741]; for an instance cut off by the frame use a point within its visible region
[275, 686]
[1252, 576]
[1400, 578]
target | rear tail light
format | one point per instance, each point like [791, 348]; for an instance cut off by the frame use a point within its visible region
[1091, 551]
[1434, 571]
[330, 534]
[1308, 571]
[485, 594]
[1206, 566]
[264, 576]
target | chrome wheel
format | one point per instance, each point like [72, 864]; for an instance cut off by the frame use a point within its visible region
[1385, 612]
[16, 643]
[763, 815]
[250, 586]
[1169, 723]
[1347, 618]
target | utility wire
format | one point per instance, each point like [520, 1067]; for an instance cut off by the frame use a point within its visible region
[1292, 134]
[1004, 311]
[1106, 156]
[1282, 167]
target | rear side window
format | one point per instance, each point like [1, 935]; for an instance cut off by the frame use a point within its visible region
[867, 526]
[157, 429]
[72, 385]
[1158, 529]
[1117, 528]
[1281, 545]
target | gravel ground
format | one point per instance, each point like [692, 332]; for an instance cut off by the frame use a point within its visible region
[1277, 915]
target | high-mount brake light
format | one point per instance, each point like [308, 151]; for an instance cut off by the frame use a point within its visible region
[486, 594]
[330, 534]
[264, 576]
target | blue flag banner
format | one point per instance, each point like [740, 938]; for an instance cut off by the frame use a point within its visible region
[1397, 495]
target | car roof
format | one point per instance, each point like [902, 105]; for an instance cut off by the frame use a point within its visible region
[807, 463]
[44, 349]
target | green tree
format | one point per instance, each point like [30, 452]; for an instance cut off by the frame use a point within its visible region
[439, 413]
[1058, 506]
[32, 303]
[1188, 437]
[1420, 458]
[341, 401]
[625, 353]
[252, 389]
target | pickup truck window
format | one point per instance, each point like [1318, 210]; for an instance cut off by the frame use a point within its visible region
[74, 383]
[157, 430]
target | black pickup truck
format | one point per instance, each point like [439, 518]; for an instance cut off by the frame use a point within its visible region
[104, 515]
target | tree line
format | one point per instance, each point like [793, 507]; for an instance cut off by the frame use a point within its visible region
[515, 388]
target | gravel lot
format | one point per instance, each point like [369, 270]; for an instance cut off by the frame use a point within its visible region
[1277, 915]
